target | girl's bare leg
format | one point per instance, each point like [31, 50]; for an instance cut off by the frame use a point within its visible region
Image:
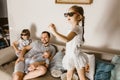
[81, 73]
[70, 74]
[40, 70]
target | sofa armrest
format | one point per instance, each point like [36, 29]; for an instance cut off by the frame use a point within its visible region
[7, 55]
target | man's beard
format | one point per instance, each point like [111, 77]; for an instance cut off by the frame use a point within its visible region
[46, 43]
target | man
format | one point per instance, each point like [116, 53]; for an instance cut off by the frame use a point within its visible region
[35, 47]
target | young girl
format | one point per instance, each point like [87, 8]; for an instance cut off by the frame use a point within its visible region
[22, 42]
[74, 57]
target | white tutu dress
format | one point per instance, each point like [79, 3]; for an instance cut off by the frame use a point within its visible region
[74, 57]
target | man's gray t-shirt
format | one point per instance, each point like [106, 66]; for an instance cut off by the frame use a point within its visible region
[38, 47]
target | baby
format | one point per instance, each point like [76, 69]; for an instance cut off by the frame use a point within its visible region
[37, 58]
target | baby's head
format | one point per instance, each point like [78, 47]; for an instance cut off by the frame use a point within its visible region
[46, 54]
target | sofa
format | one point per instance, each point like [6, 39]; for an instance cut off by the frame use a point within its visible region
[7, 61]
[8, 57]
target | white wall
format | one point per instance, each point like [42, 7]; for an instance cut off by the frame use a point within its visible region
[102, 23]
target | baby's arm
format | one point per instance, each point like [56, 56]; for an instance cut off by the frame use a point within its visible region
[47, 63]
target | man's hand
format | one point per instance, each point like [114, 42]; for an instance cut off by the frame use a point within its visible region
[34, 65]
[31, 68]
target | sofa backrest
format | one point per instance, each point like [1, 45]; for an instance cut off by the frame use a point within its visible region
[105, 54]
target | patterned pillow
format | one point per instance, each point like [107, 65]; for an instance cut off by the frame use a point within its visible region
[115, 73]
[103, 70]
[116, 59]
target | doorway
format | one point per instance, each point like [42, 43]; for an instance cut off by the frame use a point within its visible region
[4, 27]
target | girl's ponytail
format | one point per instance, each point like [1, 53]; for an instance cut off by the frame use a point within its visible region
[80, 10]
[83, 28]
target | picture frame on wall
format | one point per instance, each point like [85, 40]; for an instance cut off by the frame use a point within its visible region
[73, 1]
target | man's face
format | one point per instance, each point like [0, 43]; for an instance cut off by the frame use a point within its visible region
[45, 38]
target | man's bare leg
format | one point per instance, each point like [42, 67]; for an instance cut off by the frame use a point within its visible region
[40, 70]
[18, 76]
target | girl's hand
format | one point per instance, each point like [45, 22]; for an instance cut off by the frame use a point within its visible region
[52, 28]
[87, 67]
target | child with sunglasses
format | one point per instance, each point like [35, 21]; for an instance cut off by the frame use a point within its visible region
[74, 58]
[22, 42]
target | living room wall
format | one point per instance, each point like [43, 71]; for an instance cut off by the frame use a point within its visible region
[102, 22]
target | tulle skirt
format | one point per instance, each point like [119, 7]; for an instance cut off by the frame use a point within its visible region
[77, 61]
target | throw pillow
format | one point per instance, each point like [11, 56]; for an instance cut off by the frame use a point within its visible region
[91, 60]
[56, 68]
[116, 59]
[115, 73]
[103, 70]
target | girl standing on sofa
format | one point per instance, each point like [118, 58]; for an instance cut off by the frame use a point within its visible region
[22, 42]
[74, 57]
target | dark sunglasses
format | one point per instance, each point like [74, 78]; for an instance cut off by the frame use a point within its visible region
[70, 14]
[23, 34]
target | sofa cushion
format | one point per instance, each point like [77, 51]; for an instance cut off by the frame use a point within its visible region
[103, 70]
[115, 73]
[91, 59]
[7, 55]
[56, 67]
[116, 59]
